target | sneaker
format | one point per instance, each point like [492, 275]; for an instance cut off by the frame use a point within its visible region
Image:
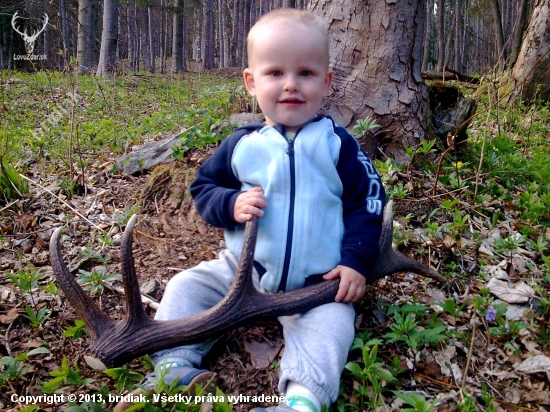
[282, 407]
[187, 376]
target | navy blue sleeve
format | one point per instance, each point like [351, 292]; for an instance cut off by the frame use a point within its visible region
[363, 201]
[216, 187]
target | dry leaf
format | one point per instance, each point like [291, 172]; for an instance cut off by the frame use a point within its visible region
[94, 363]
[262, 353]
[9, 317]
[535, 364]
[519, 292]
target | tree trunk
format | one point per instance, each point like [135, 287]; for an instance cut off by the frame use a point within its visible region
[458, 37]
[532, 68]
[177, 38]
[520, 28]
[499, 35]
[144, 39]
[427, 46]
[107, 55]
[235, 43]
[151, 37]
[64, 31]
[208, 44]
[440, 35]
[376, 55]
[85, 36]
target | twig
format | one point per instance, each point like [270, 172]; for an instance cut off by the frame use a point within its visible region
[144, 299]
[62, 201]
[465, 373]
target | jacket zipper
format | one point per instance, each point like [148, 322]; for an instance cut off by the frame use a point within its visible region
[290, 233]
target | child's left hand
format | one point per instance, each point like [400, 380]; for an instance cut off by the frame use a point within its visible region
[352, 284]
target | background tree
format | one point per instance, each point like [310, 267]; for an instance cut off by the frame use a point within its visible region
[87, 10]
[109, 38]
[532, 69]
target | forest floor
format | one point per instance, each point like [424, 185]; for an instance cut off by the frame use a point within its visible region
[478, 363]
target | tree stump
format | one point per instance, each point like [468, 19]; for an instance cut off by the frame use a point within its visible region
[450, 111]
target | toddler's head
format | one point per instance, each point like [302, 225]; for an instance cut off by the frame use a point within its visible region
[288, 66]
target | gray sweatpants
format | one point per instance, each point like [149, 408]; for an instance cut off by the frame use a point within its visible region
[316, 342]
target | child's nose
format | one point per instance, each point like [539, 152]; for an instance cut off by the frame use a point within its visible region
[290, 83]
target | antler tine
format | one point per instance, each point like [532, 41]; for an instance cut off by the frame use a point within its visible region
[93, 317]
[134, 308]
[391, 260]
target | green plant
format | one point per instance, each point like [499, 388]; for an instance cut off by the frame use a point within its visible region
[94, 281]
[77, 330]
[372, 375]
[451, 308]
[418, 402]
[13, 368]
[36, 318]
[27, 279]
[406, 328]
[12, 186]
[363, 126]
[64, 375]
[123, 218]
[126, 378]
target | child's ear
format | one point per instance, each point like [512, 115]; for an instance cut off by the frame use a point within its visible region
[248, 77]
[328, 81]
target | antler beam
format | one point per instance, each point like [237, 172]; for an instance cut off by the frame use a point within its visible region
[117, 342]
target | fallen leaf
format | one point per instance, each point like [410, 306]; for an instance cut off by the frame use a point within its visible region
[534, 364]
[519, 292]
[94, 363]
[9, 317]
[262, 353]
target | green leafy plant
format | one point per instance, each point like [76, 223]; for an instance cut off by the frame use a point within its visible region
[14, 368]
[126, 378]
[94, 281]
[418, 402]
[363, 126]
[123, 218]
[372, 375]
[64, 375]
[77, 330]
[36, 318]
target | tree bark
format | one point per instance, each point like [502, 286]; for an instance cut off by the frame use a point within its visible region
[499, 35]
[178, 63]
[109, 37]
[440, 35]
[532, 68]
[376, 56]
[458, 37]
[85, 36]
[207, 46]
[518, 35]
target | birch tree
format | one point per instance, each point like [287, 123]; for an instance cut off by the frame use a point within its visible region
[109, 37]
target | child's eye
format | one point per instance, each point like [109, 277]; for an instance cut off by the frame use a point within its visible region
[306, 73]
[276, 73]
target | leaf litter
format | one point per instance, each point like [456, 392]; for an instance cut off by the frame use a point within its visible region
[171, 237]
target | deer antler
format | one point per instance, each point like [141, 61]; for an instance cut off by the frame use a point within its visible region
[29, 40]
[117, 342]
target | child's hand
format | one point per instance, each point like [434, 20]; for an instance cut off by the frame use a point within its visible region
[249, 204]
[352, 284]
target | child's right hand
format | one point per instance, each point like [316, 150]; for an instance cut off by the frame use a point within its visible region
[249, 204]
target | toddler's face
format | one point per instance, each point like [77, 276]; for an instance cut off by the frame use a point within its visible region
[288, 74]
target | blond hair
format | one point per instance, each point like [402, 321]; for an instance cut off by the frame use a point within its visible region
[288, 16]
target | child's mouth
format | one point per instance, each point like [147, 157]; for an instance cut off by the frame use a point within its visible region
[292, 102]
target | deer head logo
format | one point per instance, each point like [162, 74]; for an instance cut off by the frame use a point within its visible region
[29, 40]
